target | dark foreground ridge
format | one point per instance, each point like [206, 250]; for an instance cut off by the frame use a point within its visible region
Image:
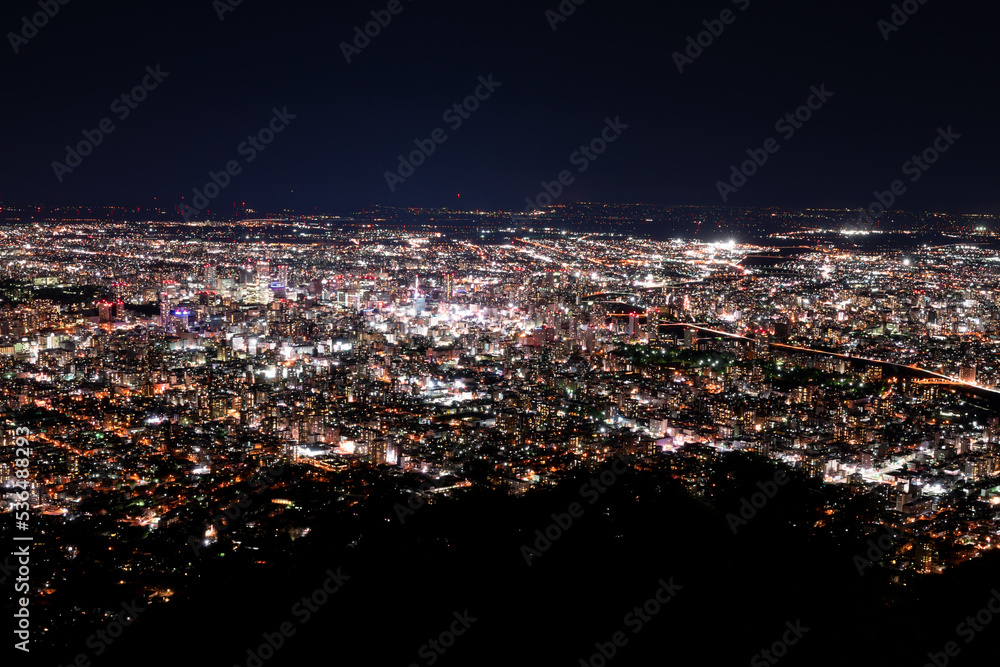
[451, 586]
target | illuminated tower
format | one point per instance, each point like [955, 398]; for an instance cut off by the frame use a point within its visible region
[598, 314]
[265, 294]
[264, 270]
[653, 324]
[290, 451]
[164, 309]
[690, 339]
[419, 303]
[104, 310]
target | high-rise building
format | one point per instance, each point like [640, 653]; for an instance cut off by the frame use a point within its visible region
[653, 324]
[967, 374]
[690, 339]
[264, 270]
[265, 294]
[105, 311]
[164, 309]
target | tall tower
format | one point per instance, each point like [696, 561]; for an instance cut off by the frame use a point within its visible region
[164, 309]
[653, 324]
[419, 302]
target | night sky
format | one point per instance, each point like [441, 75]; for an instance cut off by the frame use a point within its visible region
[607, 60]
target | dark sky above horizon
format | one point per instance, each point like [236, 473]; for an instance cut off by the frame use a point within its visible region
[606, 60]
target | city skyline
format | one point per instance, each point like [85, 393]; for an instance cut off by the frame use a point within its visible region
[567, 333]
[292, 400]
